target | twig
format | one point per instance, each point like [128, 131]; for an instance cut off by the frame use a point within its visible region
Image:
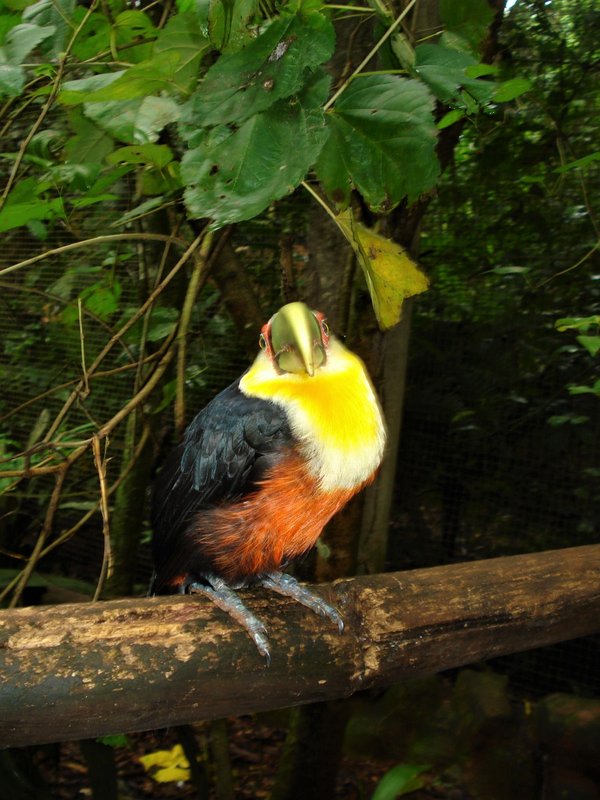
[107, 557]
[46, 528]
[47, 105]
[110, 237]
[104, 374]
[197, 279]
[369, 56]
[86, 384]
[120, 333]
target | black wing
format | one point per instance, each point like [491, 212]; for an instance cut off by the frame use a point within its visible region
[224, 451]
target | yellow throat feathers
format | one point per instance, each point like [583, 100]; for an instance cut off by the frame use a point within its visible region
[334, 415]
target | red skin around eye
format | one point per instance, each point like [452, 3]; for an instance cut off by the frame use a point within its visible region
[324, 329]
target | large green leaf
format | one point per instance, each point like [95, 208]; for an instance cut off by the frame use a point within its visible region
[19, 42]
[135, 121]
[90, 144]
[59, 14]
[384, 138]
[448, 73]
[272, 67]
[22, 39]
[182, 36]
[229, 23]
[148, 77]
[25, 204]
[232, 176]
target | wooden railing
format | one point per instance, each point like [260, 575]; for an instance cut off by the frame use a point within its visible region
[80, 671]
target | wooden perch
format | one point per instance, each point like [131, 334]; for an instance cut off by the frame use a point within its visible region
[80, 671]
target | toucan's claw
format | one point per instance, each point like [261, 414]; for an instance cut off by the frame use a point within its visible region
[227, 600]
[287, 585]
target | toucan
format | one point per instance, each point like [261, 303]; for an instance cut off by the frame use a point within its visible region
[264, 466]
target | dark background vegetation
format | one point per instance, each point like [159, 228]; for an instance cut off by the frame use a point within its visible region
[498, 446]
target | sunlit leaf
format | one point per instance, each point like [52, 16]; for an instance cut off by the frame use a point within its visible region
[391, 274]
[511, 89]
[166, 766]
[591, 343]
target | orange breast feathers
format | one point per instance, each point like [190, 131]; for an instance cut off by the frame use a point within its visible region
[279, 521]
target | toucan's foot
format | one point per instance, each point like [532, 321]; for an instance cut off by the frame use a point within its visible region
[226, 599]
[285, 584]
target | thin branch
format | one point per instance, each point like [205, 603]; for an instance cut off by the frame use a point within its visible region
[111, 237]
[107, 557]
[117, 336]
[43, 535]
[370, 55]
[47, 105]
[86, 385]
[581, 261]
[197, 280]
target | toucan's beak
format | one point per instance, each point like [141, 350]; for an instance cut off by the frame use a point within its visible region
[296, 339]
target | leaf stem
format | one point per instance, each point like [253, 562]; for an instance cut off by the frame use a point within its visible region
[369, 56]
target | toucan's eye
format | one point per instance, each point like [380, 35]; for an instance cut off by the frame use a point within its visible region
[324, 328]
[262, 342]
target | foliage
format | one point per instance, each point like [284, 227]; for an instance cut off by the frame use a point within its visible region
[504, 372]
[239, 100]
[166, 766]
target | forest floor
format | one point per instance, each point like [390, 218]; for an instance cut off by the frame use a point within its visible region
[255, 749]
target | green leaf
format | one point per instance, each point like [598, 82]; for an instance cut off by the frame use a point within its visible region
[148, 77]
[400, 780]
[115, 739]
[510, 89]
[134, 121]
[102, 299]
[23, 39]
[155, 155]
[90, 144]
[234, 176]
[444, 70]
[591, 343]
[139, 211]
[229, 23]
[468, 20]
[12, 80]
[595, 389]
[450, 117]
[384, 137]
[24, 205]
[270, 68]
[580, 163]
[77, 91]
[182, 36]
[577, 323]
[57, 13]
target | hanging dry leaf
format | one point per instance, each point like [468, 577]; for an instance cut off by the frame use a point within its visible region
[390, 272]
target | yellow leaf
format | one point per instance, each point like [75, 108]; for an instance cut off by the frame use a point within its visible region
[165, 766]
[390, 272]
